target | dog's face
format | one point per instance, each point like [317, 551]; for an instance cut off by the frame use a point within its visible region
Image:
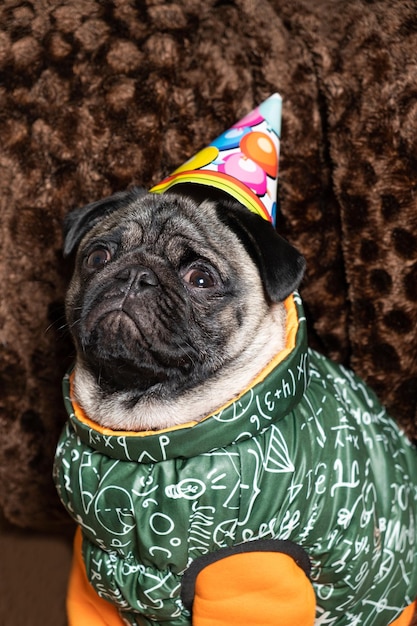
[173, 305]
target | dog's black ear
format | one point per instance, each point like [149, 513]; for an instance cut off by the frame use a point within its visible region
[281, 266]
[79, 221]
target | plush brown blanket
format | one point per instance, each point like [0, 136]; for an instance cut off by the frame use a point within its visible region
[96, 96]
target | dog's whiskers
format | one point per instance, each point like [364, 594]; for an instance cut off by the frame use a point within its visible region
[188, 354]
[59, 325]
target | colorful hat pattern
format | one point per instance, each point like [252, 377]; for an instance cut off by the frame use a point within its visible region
[242, 162]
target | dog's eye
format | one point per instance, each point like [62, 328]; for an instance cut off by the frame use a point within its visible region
[97, 258]
[199, 278]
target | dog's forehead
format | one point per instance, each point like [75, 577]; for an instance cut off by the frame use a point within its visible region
[166, 220]
[171, 215]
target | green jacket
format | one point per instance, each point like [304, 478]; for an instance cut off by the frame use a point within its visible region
[307, 455]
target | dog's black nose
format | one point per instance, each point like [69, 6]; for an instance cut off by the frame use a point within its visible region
[137, 278]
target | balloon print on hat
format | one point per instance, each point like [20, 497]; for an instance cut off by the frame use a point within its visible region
[261, 149]
[251, 119]
[231, 138]
[239, 166]
[201, 159]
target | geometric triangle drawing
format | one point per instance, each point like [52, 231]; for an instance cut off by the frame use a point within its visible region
[277, 457]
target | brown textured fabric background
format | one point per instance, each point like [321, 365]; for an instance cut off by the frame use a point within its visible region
[96, 96]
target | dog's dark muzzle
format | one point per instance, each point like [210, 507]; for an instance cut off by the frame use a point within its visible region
[133, 329]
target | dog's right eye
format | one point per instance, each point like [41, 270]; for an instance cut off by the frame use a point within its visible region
[97, 259]
[200, 279]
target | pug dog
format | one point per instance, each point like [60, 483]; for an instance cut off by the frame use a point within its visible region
[297, 485]
[175, 305]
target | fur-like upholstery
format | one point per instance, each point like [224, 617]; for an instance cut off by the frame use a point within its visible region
[96, 96]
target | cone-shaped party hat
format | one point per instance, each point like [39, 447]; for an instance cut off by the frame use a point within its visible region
[242, 162]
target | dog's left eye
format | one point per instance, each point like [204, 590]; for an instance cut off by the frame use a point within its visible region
[97, 258]
[202, 279]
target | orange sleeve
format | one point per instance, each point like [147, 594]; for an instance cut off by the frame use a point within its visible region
[84, 606]
[260, 588]
[406, 617]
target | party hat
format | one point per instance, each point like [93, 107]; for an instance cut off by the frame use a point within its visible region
[242, 162]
